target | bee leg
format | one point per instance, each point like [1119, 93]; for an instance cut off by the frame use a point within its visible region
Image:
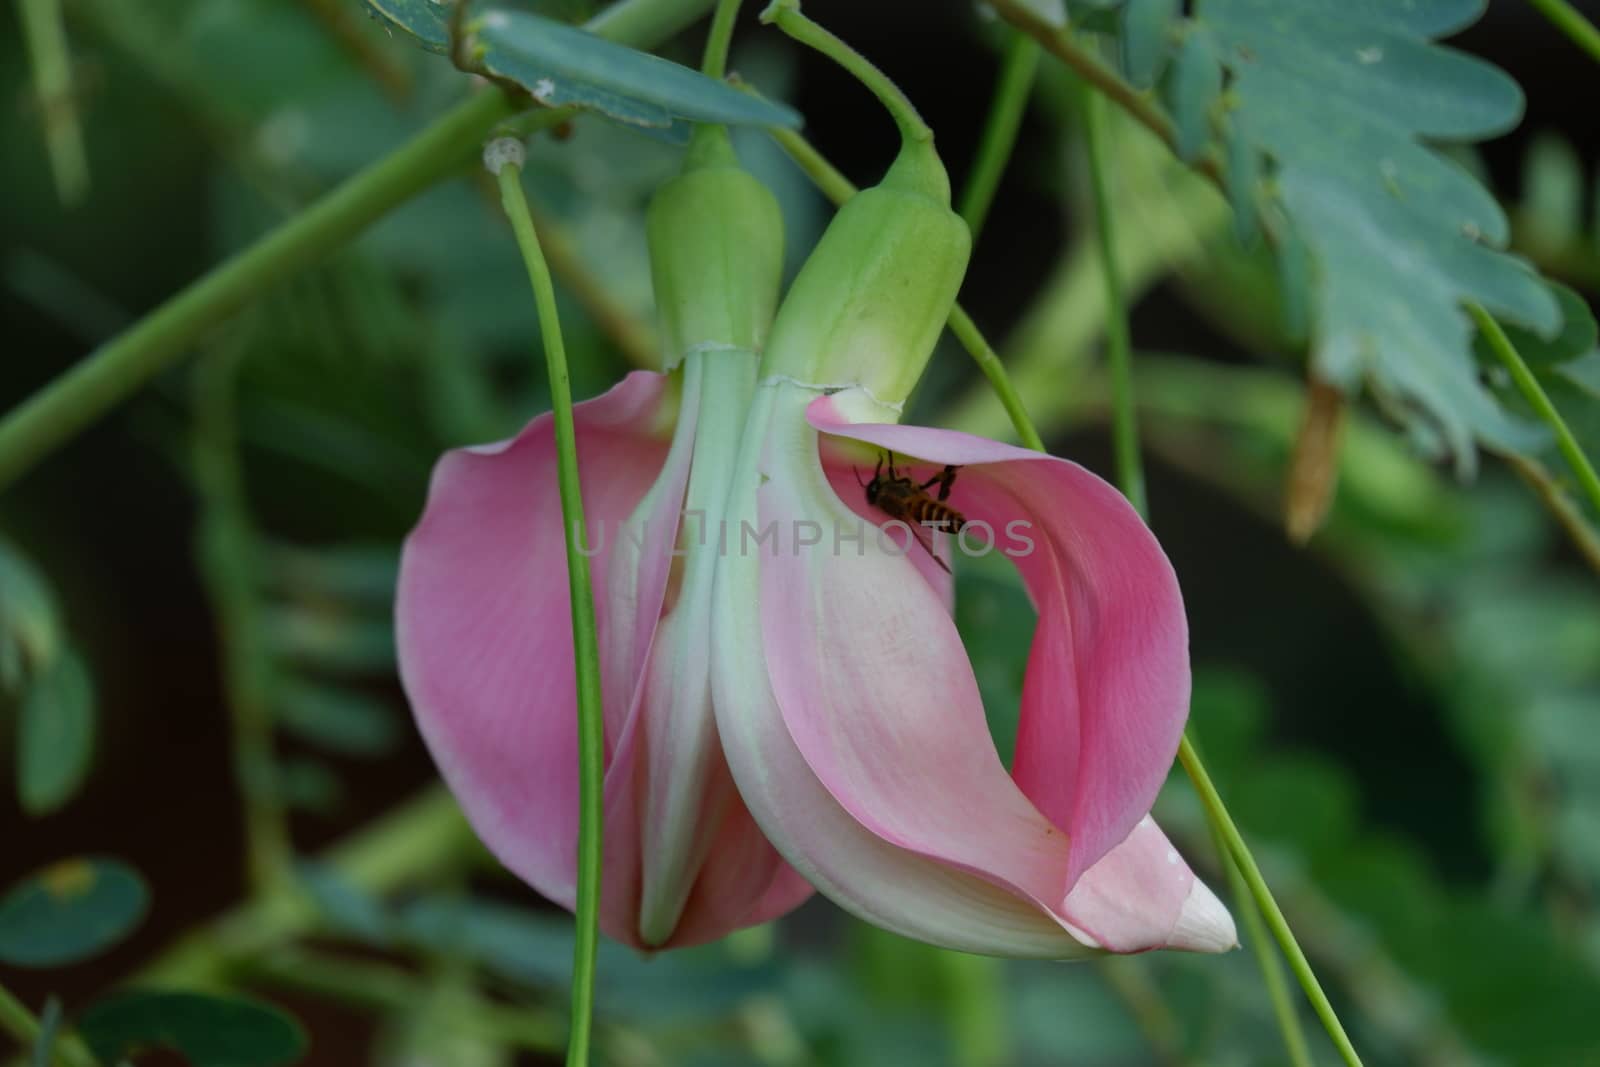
[945, 480]
[931, 553]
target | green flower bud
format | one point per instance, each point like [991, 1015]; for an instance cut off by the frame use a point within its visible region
[872, 297]
[716, 251]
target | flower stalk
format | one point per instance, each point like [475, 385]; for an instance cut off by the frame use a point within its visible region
[504, 158]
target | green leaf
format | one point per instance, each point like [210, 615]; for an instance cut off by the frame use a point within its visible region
[1584, 373]
[69, 912]
[30, 623]
[1341, 99]
[426, 21]
[208, 1031]
[1244, 186]
[1192, 91]
[563, 65]
[55, 735]
[1146, 38]
[335, 718]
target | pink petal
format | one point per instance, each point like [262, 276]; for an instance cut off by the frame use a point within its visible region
[826, 824]
[1107, 688]
[1141, 895]
[484, 635]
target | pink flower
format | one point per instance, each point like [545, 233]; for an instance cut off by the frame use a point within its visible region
[486, 657]
[852, 721]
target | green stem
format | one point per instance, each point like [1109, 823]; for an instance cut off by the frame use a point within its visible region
[24, 1027]
[229, 566]
[383, 987]
[46, 40]
[425, 838]
[1083, 62]
[1567, 513]
[1000, 130]
[715, 63]
[1222, 824]
[988, 361]
[1283, 1009]
[1570, 21]
[72, 401]
[586, 654]
[785, 14]
[1539, 400]
[1119, 352]
[75, 399]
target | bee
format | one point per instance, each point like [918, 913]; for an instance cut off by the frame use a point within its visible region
[899, 497]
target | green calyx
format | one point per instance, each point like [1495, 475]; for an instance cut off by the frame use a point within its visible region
[868, 305]
[716, 252]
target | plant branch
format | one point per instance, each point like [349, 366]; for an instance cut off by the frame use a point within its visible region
[425, 838]
[1000, 130]
[1570, 21]
[634, 337]
[229, 567]
[1060, 43]
[1540, 401]
[385, 988]
[45, 38]
[1223, 825]
[16, 1020]
[1283, 1008]
[785, 14]
[1119, 350]
[505, 158]
[1567, 513]
[107, 377]
[715, 63]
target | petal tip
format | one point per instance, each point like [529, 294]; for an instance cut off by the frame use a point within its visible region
[1204, 924]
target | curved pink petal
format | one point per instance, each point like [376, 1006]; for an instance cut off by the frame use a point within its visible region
[1142, 895]
[482, 619]
[1107, 688]
[822, 835]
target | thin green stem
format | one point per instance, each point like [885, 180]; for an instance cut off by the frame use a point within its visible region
[1061, 43]
[96, 384]
[837, 188]
[586, 653]
[988, 361]
[1000, 130]
[1119, 352]
[1570, 21]
[24, 1027]
[229, 565]
[715, 63]
[1539, 400]
[45, 37]
[383, 987]
[1222, 823]
[89, 389]
[1283, 1009]
[1566, 511]
[785, 14]
[424, 839]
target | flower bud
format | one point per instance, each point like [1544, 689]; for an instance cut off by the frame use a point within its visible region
[716, 251]
[872, 297]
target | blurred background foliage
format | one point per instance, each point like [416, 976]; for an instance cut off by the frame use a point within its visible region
[195, 595]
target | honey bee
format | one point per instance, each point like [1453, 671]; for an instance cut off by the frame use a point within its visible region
[899, 497]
